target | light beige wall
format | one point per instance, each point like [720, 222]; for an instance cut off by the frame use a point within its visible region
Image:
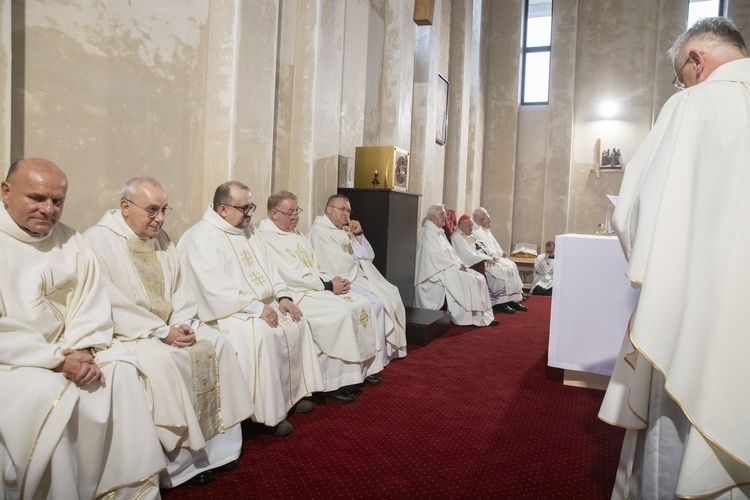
[111, 90]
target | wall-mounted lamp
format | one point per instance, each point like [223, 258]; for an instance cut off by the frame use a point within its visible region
[608, 109]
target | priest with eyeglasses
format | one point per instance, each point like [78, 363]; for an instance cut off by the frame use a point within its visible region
[239, 290]
[199, 398]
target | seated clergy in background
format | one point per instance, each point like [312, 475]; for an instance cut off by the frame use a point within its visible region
[75, 421]
[342, 250]
[508, 268]
[199, 394]
[441, 275]
[472, 250]
[239, 290]
[544, 270]
[342, 323]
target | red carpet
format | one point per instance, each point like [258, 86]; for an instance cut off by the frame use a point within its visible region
[475, 414]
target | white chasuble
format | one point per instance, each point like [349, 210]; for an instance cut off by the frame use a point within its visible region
[438, 278]
[51, 299]
[336, 257]
[680, 217]
[233, 278]
[343, 326]
[502, 269]
[189, 384]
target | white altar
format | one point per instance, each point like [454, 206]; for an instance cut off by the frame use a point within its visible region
[591, 303]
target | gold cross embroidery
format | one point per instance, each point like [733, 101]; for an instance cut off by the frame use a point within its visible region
[302, 254]
[347, 246]
[364, 318]
[346, 297]
[257, 278]
[246, 258]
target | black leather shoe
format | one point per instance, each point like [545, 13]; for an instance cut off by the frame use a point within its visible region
[204, 477]
[342, 397]
[494, 322]
[517, 306]
[505, 308]
[372, 380]
[227, 467]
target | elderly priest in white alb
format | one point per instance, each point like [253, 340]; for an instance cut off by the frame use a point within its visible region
[199, 394]
[75, 421]
[342, 250]
[239, 290]
[503, 281]
[502, 267]
[441, 276]
[342, 322]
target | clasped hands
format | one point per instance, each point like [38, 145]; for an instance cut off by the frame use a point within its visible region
[180, 336]
[78, 366]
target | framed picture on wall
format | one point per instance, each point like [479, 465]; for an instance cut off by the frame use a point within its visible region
[442, 110]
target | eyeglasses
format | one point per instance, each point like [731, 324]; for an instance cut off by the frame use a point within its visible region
[152, 212]
[292, 213]
[246, 209]
[347, 210]
[677, 82]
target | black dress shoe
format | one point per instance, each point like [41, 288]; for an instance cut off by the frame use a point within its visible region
[342, 397]
[372, 380]
[204, 477]
[494, 322]
[505, 308]
[227, 467]
[517, 306]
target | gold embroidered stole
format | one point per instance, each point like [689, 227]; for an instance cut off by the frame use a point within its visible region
[148, 267]
[254, 274]
[202, 354]
[206, 394]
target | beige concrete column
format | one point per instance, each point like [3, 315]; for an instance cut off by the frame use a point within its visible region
[459, 76]
[426, 175]
[221, 96]
[252, 144]
[502, 116]
[5, 85]
[477, 90]
[559, 135]
[309, 102]
[397, 74]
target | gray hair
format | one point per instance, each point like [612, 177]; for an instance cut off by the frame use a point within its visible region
[434, 210]
[278, 198]
[131, 187]
[710, 30]
[478, 212]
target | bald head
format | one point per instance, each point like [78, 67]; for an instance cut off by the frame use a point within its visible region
[34, 193]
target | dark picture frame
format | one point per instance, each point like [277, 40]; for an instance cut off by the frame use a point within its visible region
[442, 110]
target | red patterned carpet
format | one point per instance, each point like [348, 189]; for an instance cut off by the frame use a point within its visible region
[475, 414]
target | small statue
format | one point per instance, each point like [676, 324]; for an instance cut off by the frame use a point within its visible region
[615, 157]
[375, 181]
[606, 159]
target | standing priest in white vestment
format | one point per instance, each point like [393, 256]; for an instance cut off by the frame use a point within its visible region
[473, 250]
[75, 421]
[199, 394]
[679, 385]
[239, 290]
[342, 322]
[440, 275]
[343, 250]
[503, 267]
